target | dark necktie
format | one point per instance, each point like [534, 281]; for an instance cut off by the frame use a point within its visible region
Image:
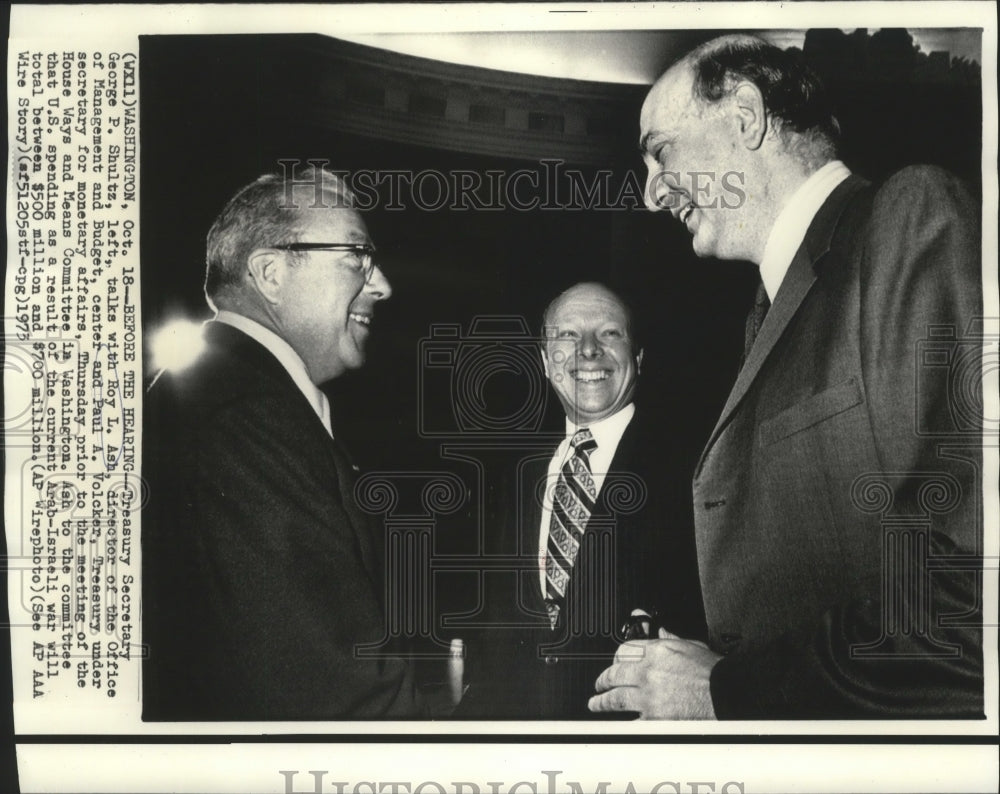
[572, 503]
[755, 319]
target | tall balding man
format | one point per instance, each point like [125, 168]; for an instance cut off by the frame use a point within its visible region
[837, 508]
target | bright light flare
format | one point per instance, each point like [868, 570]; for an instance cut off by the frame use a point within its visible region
[177, 345]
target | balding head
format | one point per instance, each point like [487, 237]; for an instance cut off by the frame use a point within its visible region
[728, 134]
[793, 94]
[589, 355]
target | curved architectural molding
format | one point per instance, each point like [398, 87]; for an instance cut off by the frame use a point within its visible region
[380, 94]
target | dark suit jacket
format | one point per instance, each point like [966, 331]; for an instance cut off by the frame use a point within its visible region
[260, 575]
[837, 500]
[638, 551]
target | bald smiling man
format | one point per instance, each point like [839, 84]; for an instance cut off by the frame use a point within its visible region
[602, 527]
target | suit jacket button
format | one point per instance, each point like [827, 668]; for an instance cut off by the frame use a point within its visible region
[551, 659]
[729, 642]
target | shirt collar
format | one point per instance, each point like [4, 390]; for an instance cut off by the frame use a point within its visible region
[608, 431]
[793, 221]
[285, 354]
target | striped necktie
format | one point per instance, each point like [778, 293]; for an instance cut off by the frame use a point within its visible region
[572, 503]
[755, 319]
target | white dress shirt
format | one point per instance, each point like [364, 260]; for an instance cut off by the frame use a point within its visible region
[289, 359]
[607, 433]
[793, 221]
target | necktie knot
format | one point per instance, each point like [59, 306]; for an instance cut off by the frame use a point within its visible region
[755, 319]
[761, 304]
[583, 441]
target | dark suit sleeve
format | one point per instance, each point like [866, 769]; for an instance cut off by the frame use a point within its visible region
[920, 278]
[290, 585]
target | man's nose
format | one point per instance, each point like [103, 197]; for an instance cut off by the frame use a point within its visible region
[661, 190]
[378, 285]
[589, 346]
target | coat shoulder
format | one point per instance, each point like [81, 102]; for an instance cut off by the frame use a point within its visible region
[218, 381]
[920, 186]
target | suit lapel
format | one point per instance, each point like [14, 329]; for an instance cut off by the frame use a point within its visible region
[626, 453]
[535, 484]
[269, 368]
[370, 544]
[796, 285]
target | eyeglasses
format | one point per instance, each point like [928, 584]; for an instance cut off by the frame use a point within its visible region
[364, 254]
[644, 626]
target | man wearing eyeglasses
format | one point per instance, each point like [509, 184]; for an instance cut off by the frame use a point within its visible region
[261, 577]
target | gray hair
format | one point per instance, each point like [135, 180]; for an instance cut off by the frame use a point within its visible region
[267, 212]
[793, 94]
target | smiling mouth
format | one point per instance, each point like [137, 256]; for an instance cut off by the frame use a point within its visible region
[590, 376]
[363, 319]
[686, 211]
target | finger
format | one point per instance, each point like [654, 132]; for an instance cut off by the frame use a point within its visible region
[700, 643]
[631, 651]
[618, 699]
[664, 634]
[618, 675]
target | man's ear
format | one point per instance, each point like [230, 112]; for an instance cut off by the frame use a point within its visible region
[638, 362]
[267, 270]
[751, 114]
[545, 361]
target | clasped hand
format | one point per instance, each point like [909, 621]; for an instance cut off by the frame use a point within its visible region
[663, 679]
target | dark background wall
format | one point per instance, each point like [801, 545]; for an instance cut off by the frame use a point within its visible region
[219, 111]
